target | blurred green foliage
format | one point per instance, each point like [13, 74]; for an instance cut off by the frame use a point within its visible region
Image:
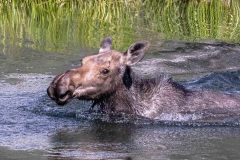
[56, 25]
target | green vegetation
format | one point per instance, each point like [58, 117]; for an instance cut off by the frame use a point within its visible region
[56, 25]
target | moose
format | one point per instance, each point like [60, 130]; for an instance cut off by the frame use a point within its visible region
[110, 82]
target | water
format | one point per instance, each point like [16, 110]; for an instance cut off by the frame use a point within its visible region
[35, 46]
[34, 127]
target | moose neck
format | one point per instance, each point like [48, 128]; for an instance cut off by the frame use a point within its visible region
[122, 99]
[144, 95]
[131, 92]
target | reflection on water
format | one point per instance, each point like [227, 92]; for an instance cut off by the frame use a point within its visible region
[186, 59]
[104, 141]
[64, 25]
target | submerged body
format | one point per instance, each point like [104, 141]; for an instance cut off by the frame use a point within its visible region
[159, 96]
[109, 80]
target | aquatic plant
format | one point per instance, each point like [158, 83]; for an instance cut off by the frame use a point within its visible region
[57, 25]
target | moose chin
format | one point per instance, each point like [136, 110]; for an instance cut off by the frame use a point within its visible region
[109, 81]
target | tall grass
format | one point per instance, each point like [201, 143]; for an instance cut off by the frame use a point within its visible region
[56, 25]
[196, 20]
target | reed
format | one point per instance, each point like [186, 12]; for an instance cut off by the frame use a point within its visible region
[57, 25]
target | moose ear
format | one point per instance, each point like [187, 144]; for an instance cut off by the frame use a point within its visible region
[135, 52]
[106, 45]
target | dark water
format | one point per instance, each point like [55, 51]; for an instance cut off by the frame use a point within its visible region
[34, 127]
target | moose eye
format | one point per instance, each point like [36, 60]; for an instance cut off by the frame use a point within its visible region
[105, 71]
[80, 64]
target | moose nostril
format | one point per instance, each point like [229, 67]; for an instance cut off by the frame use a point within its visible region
[63, 95]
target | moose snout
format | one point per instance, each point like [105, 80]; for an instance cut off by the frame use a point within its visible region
[61, 90]
[51, 92]
[60, 94]
[63, 94]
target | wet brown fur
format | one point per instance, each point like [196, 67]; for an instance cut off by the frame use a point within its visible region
[109, 80]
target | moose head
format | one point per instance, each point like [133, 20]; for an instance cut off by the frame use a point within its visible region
[97, 75]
